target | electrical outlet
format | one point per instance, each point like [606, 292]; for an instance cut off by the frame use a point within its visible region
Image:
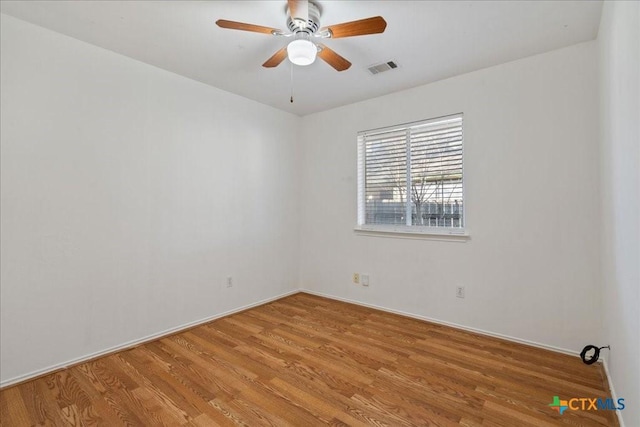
[356, 278]
[460, 291]
[229, 281]
[364, 279]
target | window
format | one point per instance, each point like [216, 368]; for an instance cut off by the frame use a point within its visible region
[410, 177]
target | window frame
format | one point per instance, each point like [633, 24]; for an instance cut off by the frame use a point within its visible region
[407, 231]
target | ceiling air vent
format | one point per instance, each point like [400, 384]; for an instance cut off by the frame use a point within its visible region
[380, 68]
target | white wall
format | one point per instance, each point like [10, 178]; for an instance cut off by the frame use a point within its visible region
[531, 266]
[128, 195]
[619, 48]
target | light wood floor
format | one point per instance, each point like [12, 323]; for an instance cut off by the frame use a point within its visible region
[305, 361]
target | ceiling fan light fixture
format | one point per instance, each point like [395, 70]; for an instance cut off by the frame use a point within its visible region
[302, 52]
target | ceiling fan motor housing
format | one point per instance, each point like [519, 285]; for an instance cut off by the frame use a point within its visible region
[309, 27]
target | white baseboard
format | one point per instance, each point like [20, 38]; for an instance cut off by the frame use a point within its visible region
[614, 396]
[134, 343]
[445, 323]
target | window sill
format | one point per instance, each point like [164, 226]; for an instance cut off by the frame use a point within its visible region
[447, 235]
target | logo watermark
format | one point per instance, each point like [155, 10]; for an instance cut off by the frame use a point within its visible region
[586, 404]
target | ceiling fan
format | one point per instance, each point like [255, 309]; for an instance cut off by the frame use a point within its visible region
[303, 22]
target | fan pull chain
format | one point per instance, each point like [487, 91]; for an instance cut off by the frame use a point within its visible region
[291, 100]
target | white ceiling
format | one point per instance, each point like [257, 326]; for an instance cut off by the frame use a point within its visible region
[430, 40]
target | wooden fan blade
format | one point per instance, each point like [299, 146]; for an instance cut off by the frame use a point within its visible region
[333, 59]
[276, 59]
[362, 27]
[233, 25]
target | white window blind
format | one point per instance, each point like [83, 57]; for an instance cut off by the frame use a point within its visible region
[411, 175]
